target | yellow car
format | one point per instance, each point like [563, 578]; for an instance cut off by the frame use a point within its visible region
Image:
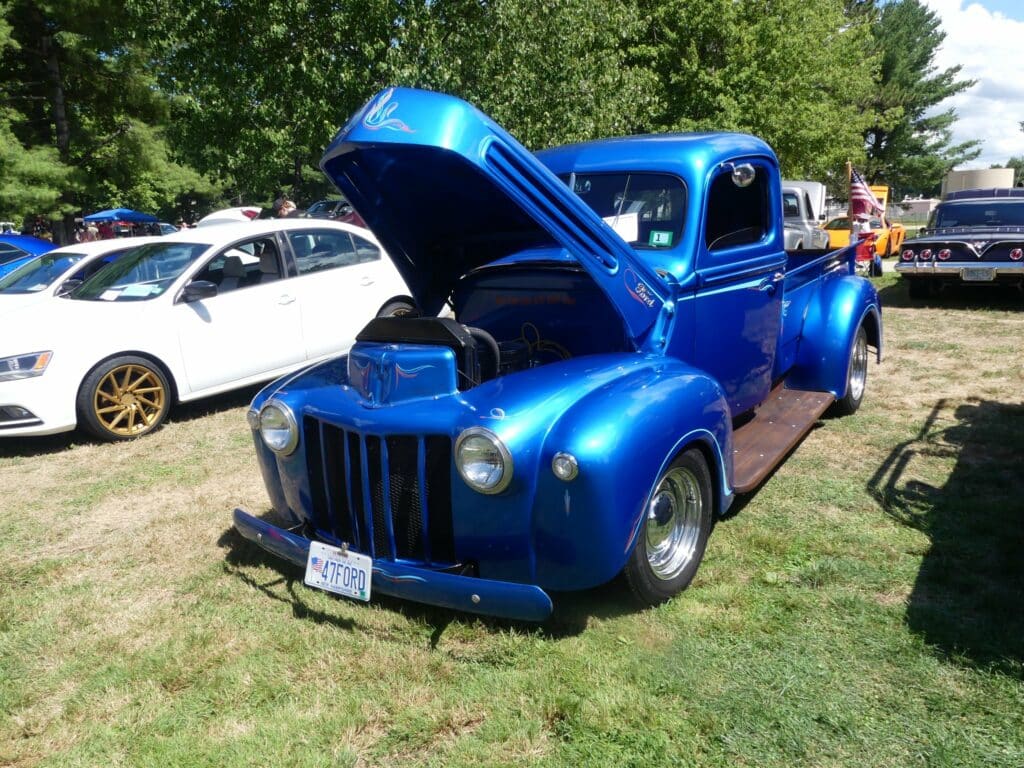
[888, 236]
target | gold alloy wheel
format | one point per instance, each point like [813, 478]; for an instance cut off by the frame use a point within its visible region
[129, 400]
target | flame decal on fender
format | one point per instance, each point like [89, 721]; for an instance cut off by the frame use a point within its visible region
[396, 579]
[378, 115]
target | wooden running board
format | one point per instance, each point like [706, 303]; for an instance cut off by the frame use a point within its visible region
[778, 425]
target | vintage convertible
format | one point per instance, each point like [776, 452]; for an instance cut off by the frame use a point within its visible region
[974, 236]
[631, 347]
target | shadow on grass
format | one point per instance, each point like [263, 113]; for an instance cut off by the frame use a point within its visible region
[967, 598]
[959, 297]
[572, 614]
[27, 446]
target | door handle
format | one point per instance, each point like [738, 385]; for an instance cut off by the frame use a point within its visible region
[285, 299]
[767, 286]
[366, 281]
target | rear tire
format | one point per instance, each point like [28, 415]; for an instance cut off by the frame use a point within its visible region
[399, 308]
[123, 398]
[675, 531]
[856, 376]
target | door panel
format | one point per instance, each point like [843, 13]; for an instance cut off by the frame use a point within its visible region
[251, 327]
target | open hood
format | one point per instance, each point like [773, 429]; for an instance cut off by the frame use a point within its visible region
[445, 189]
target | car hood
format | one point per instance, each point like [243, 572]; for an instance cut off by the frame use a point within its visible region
[445, 189]
[53, 323]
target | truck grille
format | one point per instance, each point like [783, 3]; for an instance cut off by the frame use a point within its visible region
[389, 497]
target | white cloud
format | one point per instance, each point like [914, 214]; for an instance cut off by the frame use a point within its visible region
[987, 46]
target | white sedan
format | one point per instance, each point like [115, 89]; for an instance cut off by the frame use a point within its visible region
[48, 275]
[192, 314]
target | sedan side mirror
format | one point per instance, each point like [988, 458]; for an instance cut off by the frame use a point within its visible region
[68, 286]
[198, 290]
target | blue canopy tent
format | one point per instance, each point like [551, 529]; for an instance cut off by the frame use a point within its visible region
[120, 214]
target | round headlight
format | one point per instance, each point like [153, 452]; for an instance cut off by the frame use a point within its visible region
[483, 460]
[278, 428]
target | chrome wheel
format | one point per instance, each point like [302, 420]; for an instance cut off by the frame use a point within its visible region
[674, 517]
[859, 367]
[129, 400]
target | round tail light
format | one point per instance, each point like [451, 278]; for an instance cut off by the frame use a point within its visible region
[926, 254]
[945, 253]
[907, 255]
[1016, 254]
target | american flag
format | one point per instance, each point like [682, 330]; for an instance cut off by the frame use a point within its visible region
[862, 201]
[318, 565]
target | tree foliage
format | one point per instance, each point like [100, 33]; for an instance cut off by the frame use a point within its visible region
[909, 144]
[87, 128]
[157, 104]
[790, 71]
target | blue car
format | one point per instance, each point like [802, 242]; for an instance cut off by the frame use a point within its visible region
[16, 250]
[624, 346]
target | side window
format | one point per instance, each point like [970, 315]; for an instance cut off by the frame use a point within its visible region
[365, 250]
[736, 215]
[250, 262]
[318, 250]
[790, 205]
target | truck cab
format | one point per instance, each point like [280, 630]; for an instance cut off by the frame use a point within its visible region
[612, 342]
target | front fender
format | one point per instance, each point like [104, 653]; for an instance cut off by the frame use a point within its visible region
[844, 303]
[623, 437]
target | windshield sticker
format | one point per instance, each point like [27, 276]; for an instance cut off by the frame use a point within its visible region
[138, 289]
[626, 226]
[638, 289]
[660, 238]
[378, 114]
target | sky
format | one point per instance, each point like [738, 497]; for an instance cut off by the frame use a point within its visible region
[985, 38]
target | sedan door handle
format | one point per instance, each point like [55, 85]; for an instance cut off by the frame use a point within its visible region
[285, 299]
[366, 281]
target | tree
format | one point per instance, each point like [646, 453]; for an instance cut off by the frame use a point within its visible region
[909, 146]
[88, 112]
[789, 71]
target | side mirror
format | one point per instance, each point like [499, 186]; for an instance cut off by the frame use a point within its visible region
[821, 217]
[198, 290]
[68, 286]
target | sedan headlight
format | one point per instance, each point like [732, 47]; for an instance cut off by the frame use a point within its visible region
[483, 460]
[24, 366]
[278, 428]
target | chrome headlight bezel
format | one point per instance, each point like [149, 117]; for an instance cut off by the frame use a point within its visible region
[502, 452]
[288, 446]
[15, 367]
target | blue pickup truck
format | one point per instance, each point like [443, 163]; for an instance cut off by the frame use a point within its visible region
[610, 344]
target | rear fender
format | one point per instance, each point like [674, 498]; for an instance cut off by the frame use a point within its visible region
[844, 303]
[623, 437]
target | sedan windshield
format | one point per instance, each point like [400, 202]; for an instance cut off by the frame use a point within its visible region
[979, 213]
[9, 253]
[645, 209]
[39, 273]
[145, 273]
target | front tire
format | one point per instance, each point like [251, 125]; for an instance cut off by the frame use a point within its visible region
[123, 398]
[856, 377]
[675, 531]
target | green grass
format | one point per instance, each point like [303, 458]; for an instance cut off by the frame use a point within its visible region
[863, 608]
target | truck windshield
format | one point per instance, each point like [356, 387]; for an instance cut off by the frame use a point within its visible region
[645, 209]
[979, 213]
[142, 274]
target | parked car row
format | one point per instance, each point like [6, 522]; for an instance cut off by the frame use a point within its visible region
[108, 335]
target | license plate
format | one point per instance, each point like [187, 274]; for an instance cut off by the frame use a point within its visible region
[339, 571]
[978, 274]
